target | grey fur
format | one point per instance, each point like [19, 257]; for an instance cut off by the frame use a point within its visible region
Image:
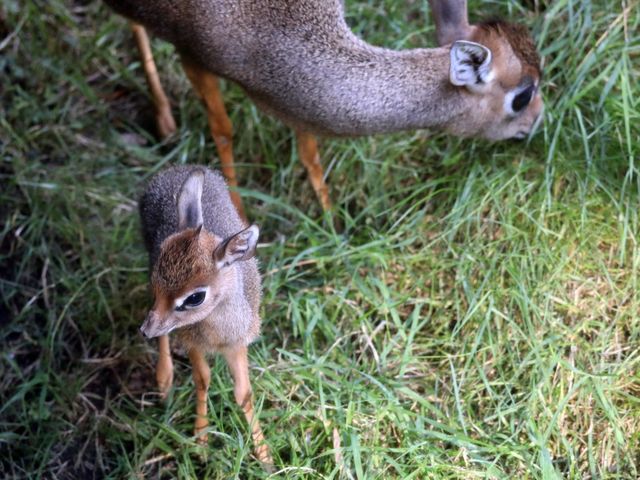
[159, 213]
[299, 60]
[451, 20]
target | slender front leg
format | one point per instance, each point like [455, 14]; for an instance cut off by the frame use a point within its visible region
[308, 153]
[164, 369]
[238, 362]
[207, 88]
[201, 378]
[164, 120]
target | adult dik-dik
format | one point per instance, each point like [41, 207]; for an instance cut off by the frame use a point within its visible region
[299, 60]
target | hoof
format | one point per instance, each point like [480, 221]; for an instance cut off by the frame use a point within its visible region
[165, 122]
[264, 456]
[201, 436]
[165, 382]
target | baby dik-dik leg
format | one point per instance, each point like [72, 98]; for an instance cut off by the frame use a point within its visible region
[308, 153]
[238, 362]
[201, 378]
[208, 89]
[164, 369]
[164, 119]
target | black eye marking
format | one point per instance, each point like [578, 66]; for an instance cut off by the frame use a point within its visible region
[192, 300]
[522, 99]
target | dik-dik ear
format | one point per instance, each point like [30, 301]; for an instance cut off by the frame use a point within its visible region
[190, 201]
[470, 64]
[238, 247]
[451, 20]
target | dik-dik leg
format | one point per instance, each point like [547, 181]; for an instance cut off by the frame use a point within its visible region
[164, 369]
[164, 119]
[308, 153]
[201, 378]
[238, 362]
[208, 89]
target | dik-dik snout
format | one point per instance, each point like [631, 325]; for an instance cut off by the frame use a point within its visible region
[152, 326]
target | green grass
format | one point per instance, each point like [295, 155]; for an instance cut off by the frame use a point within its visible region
[476, 317]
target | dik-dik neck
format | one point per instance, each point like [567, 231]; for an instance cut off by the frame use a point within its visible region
[299, 60]
[352, 88]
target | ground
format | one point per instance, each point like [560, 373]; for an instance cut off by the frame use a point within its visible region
[474, 316]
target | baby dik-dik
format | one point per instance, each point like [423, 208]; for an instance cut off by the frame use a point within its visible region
[205, 282]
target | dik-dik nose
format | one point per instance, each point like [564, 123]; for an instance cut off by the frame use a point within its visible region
[532, 119]
[143, 330]
[147, 327]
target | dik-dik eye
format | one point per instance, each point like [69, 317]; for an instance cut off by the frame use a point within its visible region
[192, 301]
[522, 99]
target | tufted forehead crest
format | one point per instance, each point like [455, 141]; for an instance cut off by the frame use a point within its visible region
[181, 259]
[519, 38]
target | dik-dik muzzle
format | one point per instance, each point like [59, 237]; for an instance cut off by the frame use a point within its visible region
[152, 326]
[156, 325]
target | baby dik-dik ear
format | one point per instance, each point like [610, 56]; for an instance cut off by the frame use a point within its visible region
[238, 247]
[470, 65]
[190, 201]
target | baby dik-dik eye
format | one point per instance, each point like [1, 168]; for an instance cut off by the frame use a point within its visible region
[192, 301]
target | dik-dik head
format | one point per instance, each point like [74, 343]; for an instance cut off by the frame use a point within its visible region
[498, 68]
[195, 268]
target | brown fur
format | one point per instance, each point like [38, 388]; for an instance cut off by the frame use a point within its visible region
[519, 39]
[184, 262]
